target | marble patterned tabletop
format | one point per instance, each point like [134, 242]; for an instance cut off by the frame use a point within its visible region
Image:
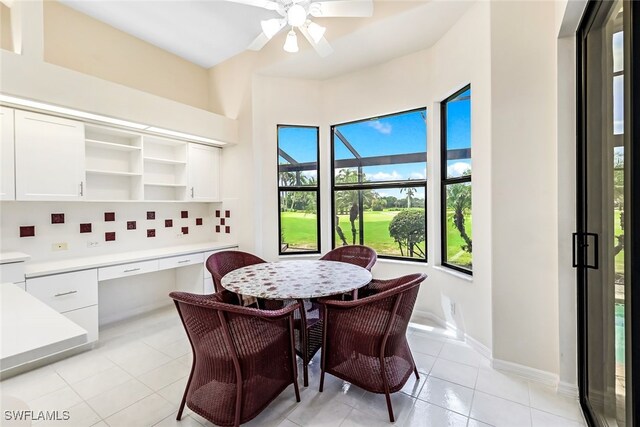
[296, 279]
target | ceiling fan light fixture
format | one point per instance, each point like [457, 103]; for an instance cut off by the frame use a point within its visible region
[270, 27]
[291, 43]
[316, 31]
[296, 15]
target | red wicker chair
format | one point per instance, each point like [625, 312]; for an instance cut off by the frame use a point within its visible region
[224, 262]
[243, 358]
[362, 256]
[364, 341]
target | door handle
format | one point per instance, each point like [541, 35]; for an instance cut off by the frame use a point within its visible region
[581, 243]
[81, 188]
[192, 192]
[596, 255]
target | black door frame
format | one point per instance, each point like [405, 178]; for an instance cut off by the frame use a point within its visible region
[632, 162]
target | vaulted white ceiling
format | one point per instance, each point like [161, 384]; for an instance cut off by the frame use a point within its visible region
[207, 32]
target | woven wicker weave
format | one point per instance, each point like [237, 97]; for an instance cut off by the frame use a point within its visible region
[362, 256]
[365, 341]
[243, 358]
[223, 262]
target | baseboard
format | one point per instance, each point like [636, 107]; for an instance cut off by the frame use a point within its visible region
[478, 346]
[530, 374]
[568, 389]
[473, 343]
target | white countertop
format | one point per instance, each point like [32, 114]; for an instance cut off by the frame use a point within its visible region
[73, 264]
[31, 329]
[8, 257]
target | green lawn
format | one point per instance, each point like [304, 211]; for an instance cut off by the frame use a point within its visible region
[618, 231]
[299, 232]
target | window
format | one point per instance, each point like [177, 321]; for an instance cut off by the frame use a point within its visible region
[379, 184]
[456, 181]
[298, 195]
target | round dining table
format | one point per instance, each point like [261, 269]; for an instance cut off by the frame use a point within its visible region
[297, 280]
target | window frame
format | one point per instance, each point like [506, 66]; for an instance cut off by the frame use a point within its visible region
[299, 189]
[445, 181]
[375, 186]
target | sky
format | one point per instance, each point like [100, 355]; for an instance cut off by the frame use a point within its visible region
[401, 133]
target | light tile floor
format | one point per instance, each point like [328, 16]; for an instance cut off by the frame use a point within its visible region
[137, 373]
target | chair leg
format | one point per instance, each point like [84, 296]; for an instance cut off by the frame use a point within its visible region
[321, 380]
[415, 371]
[389, 407]
[294, 364]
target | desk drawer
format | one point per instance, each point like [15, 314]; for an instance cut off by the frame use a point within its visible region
[124, 270]
[180, 261]
[66, 292]
[12, 272]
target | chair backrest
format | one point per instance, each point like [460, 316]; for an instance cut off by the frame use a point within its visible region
[362, 256]
[224, 262]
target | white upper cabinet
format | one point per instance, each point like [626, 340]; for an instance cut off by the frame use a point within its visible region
[7, 180]
[50, 157]
[204, 173]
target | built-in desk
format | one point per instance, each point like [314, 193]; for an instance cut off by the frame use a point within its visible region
[71, 286]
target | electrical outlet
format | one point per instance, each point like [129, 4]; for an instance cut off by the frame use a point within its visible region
[452, 307]
[92, 244]
[62, 246]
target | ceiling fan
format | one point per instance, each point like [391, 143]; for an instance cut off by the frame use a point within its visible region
[296, 14]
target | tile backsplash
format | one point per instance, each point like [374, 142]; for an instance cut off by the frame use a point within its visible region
[91, 229]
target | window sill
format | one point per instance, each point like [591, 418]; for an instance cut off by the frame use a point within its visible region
[293, 256]
[402, 262]
[454, 273]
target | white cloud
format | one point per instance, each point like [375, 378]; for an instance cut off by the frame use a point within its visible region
[457, 169]
[384, 176]
[416, 175]
[384, 128]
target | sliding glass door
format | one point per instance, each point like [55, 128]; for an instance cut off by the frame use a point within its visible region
[603, 244]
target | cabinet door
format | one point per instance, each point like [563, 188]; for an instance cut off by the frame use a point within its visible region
[204, 173]
[49, 157]
[7, 180]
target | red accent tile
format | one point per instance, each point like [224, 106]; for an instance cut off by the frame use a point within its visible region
[109, 216]
[184, 214]
[217, 213]
[151, 215]
[131, 225]
[227, 214]
[168, 223]
[222, 221]
[85, 228]
[217, 228]
[110, 236]
[28, 231]
[227, 229]
[151, 232]
[57, 218]
[198, 221]
[185, 230]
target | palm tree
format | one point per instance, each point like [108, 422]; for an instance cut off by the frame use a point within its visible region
[410, 192]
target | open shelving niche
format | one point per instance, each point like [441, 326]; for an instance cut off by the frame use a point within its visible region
[165, 169]
[113, 164]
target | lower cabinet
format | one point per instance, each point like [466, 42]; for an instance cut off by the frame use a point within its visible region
[73, 294]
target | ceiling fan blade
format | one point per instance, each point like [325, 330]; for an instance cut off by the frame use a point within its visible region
[259, 42]
[323, 47]
[342, 8]
[265, 4]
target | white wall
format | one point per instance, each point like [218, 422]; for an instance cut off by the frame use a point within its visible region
[524, 184]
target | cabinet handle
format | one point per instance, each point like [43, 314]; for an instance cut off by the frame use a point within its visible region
[132, 269]
[82, 188]
[183, 261]
[192, 192]
[65, 293]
